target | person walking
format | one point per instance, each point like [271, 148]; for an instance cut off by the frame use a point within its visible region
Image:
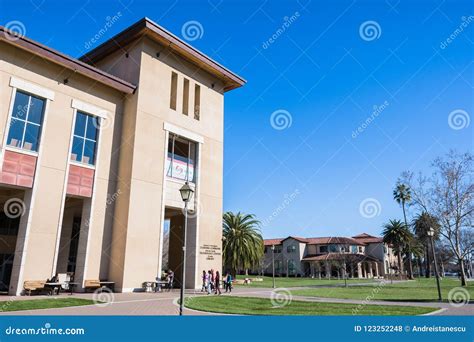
[217, 283]
[209, 282]
[204, 281]
[213, 279]
[170, 279]
[228, 282]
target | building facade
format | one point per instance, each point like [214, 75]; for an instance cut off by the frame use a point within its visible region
[361, 256]
[94, 151]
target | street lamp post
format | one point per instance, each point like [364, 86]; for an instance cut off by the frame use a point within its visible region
[273, 265]
[186, 194]
[431, 234]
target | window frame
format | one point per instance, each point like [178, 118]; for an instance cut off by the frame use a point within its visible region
[174, 91]
[25, 121]
[172, 137]
[185, 104]
[197, 102]
[85, 139]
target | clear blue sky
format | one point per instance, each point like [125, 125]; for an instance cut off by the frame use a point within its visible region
[327, 77]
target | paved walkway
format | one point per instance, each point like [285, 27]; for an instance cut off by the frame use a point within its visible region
[165, 303]
[446, 309]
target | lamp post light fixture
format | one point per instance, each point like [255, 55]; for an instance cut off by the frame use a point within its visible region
[273, 265]
[186, 195]
[431, 233]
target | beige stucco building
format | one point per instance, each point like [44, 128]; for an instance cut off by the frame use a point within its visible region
[360, 256]
[94, 151]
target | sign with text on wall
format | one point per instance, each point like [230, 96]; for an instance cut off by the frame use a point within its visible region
[210, 251]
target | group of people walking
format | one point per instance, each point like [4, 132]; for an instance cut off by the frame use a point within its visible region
[211, 282]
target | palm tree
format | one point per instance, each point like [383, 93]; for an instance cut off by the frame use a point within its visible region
[398, 235]
[402, 194]
[421, 225]
[415, 248]
[242, 241]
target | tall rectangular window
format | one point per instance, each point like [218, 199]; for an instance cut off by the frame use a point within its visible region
[174, 90]
[197, 102]
[84, 140]
[26, 121]
[186, 96]
[291, 267]
[181, 161]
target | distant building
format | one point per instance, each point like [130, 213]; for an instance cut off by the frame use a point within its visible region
[362, 256]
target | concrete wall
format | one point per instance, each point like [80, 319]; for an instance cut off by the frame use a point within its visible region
[120, 238]
[142, 163]
[36, 250]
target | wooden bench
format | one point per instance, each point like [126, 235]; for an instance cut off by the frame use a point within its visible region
[34, 285]
[94, 284]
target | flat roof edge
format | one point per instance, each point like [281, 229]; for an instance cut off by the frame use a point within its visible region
[66, 61]
[147, 26]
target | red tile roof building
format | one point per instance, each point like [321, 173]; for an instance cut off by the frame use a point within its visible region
[360, 256]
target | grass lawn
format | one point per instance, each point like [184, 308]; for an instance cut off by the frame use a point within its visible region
[34, 304]
[421, 289]
[263, 306]
[296, 282]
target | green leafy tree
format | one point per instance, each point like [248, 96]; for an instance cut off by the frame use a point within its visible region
[242, 241]
[397, 234]
[422, 225]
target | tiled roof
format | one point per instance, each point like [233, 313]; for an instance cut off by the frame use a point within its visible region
[366, 238]
[317, 240]
[339, 256]
[271, 242]
[300, 239]
[333, 239]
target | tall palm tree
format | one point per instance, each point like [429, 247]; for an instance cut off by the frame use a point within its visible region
[421, 226]
[242, 241]
[397, 234]
[402, 194]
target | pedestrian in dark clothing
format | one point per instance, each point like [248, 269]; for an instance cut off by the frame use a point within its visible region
[217, 282]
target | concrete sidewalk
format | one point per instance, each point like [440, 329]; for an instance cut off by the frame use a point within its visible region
[165, 303]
